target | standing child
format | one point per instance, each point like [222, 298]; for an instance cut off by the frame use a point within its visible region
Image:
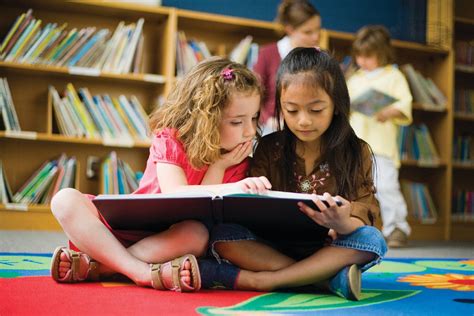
[316, 151]
[202, 136]
[301, 22]
[373, 53]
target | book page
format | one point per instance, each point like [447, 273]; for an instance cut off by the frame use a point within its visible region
[183, 194]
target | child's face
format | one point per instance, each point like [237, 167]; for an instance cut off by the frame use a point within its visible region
[307, 111]
[307, 34]
[367, 63]
[239, 120]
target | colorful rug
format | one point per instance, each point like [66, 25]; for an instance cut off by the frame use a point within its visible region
[395, 287]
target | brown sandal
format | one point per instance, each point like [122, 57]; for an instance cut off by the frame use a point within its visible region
[72, 276]
[172, 280]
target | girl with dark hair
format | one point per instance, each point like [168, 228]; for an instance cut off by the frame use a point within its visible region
[314, 151]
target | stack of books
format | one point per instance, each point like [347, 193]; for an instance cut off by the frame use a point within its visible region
[9, 121]
[117, 177]
[79, 114]
[189, 53]
[464, 52]
[6, 195]
[52, 176]
[419, 202]
[246, 52]
[28, 42]
[464, 101]
[463, 149]
[424, 90]
[415, 143]
[463, 205]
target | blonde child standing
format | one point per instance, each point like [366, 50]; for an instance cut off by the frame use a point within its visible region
[373, 54]
[202, 136]
[316, 151]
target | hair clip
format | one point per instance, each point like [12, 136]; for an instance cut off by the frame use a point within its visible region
[317, 48]
[227, 74]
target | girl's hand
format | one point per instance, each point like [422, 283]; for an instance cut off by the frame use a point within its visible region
[388, 113]
[337, 218]
[236, 155]
[255, 185]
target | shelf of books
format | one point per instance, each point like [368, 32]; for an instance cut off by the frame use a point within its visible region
[201, 35]
[425, 145]
[77, 81]
[463, 136]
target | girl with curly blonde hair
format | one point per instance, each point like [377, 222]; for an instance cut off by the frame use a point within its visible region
[202, 135]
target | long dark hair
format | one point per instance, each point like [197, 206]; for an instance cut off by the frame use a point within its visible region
[340, 147]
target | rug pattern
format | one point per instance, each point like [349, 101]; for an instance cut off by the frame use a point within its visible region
[395, 287]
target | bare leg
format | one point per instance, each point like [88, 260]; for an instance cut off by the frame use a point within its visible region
[317, 268]
[253, 256]
[79, 219]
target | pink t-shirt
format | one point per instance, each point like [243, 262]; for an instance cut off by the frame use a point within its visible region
[166, 148]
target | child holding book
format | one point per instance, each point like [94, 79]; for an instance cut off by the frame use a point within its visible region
[316, 151]
[301, 22]
[373, 53]
[203, 135]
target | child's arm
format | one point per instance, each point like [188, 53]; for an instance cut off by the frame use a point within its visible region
[333, 216]
[215, 172]
[173, 179]
[389, 113]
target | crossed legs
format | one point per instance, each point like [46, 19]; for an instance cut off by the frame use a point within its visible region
[266, 269]
[80, 221]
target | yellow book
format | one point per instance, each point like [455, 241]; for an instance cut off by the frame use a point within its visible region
[42, 46]
[55, 52]
[24, 38]
[82, 112]
[12, 31]
[31, 37]
[125, 118]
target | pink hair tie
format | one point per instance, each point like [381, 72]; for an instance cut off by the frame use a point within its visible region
[227, 74]
[317, 48]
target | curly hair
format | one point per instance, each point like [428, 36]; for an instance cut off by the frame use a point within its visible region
[195, 104]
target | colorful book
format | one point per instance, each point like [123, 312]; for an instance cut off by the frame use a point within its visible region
[371, 101]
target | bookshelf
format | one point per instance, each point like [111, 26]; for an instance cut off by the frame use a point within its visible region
[463, 117]
[23, 153]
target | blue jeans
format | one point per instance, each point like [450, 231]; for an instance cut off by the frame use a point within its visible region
[365, 238]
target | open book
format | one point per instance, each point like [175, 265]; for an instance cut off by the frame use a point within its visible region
[371, 101]
[274, 215]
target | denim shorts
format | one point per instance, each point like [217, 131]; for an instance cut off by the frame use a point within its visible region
[365, 238]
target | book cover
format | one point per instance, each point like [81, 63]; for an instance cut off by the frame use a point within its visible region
[274, 215]
[371, 101]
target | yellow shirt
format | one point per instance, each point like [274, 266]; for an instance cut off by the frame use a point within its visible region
[382, 137]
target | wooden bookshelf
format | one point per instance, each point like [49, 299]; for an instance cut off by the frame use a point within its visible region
[463, 171]
[22, 153]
